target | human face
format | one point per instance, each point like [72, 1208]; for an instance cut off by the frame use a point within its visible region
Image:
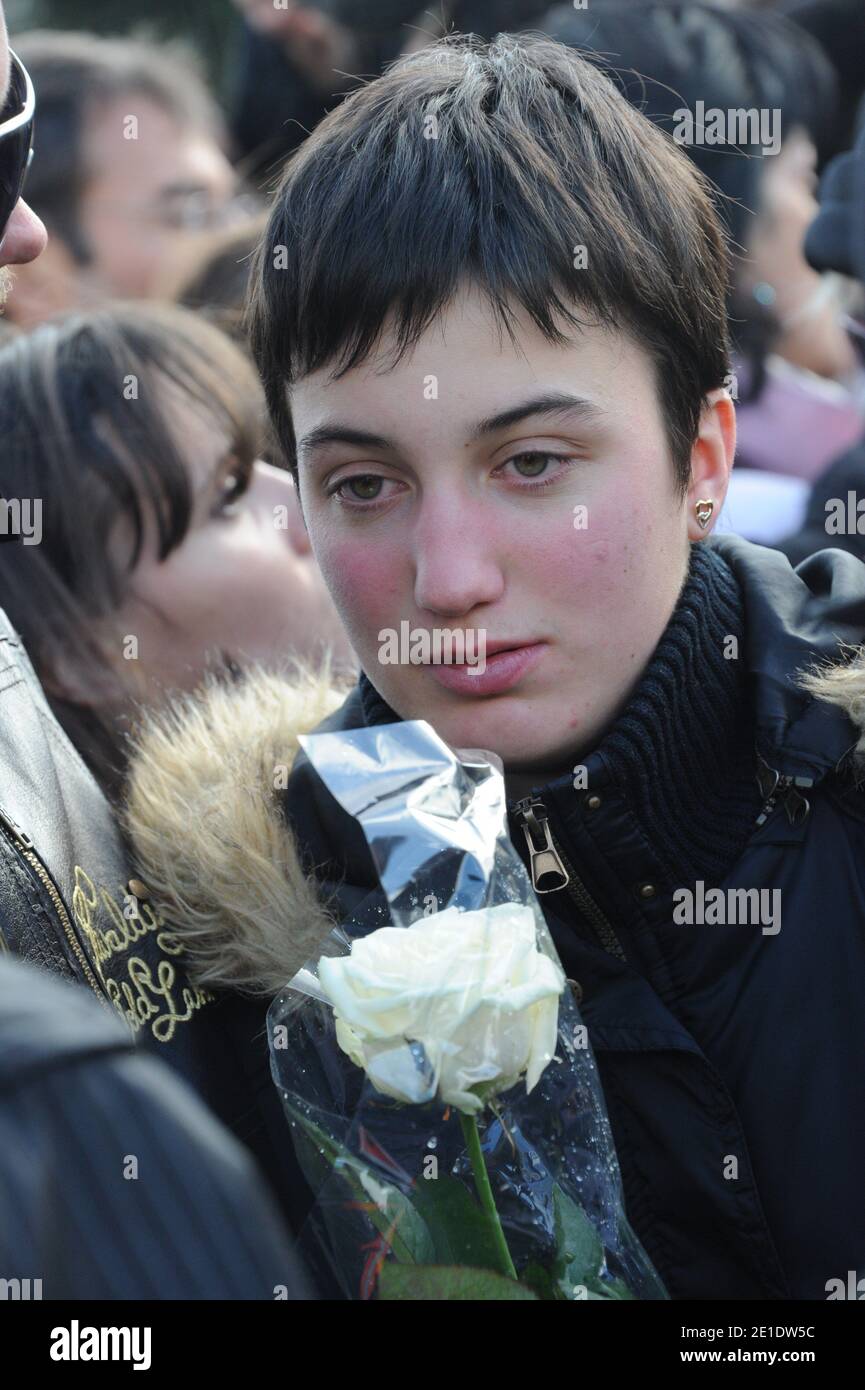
[458, 512]
[811, 332]
[23, 237]
[242, 585]
[148, 196]
[788, 206]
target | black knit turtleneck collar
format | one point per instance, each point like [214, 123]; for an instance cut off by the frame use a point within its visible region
[682, 750]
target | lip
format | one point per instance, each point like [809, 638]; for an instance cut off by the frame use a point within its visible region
[505, 667]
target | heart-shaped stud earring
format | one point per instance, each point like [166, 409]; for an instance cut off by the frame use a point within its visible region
[703, 509]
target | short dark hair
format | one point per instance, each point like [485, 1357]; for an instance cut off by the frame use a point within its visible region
[74, 75]
[536, 153]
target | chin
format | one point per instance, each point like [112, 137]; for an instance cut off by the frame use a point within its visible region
[518, 737]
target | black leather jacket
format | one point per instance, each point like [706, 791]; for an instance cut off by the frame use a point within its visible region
[68, 904]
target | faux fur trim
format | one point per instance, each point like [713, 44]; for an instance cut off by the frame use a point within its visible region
[843, 684]
[208, 838]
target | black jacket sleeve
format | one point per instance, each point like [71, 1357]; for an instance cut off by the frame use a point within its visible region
[115, 1180]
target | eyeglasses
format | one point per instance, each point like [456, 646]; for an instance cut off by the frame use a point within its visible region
[16, 139]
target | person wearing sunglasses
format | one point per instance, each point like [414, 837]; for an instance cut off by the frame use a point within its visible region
[22, 235]
[130, 167]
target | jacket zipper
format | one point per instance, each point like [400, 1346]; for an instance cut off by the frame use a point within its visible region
[25, 847]
[776, 788]
[551, 871]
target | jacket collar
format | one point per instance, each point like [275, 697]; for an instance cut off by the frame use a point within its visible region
[794, 621]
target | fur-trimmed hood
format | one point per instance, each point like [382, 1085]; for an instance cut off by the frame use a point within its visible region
[208, 837]
[211, 842]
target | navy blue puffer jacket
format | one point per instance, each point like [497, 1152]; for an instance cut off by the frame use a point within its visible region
[728, 1026]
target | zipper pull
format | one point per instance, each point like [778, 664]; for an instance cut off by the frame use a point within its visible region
[15, 831]
[772, 794]
[548, 871]
[795, 804]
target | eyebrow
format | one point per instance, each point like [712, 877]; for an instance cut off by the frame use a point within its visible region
[549, 403]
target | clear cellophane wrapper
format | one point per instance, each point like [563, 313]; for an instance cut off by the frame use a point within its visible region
[394, 1181]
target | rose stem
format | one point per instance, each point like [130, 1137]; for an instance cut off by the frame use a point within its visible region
[485, 1192]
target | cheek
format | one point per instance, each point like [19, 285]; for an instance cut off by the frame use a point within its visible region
[208, 573]
[172, 593]
[365, 579]
[607, 545]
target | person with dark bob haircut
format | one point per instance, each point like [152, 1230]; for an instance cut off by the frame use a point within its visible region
[163, 547]
[489, 313]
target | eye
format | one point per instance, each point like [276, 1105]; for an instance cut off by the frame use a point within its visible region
[234, 485]
[533, 464]
[366, 487]
[362, 492]
[530, 465]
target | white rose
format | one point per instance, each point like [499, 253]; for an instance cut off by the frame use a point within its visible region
[471, 987]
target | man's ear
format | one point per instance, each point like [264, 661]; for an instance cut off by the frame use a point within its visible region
[711, 459]
[47, 286]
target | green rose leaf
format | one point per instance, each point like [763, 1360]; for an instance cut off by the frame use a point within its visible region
[442, 1283]
[580, 1254]
[461, 1231]
[542, 1282]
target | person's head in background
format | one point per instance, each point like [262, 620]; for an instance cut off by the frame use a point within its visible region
[22, 234]
[493, 345]
[213, 280]
[836, 241]
[213, 276]
[668, 56]
[129, 162]
[166, 548]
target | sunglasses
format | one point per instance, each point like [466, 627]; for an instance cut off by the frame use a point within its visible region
[16, 139]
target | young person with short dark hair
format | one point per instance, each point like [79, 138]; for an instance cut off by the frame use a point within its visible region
[489, 312]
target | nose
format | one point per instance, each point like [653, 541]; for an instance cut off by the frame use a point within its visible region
[25, 236]
[282, 494]
[455, 567]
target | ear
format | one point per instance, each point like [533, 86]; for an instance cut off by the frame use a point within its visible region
[92, 688]
[47, 286]
[92, 674]
[711, 459]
